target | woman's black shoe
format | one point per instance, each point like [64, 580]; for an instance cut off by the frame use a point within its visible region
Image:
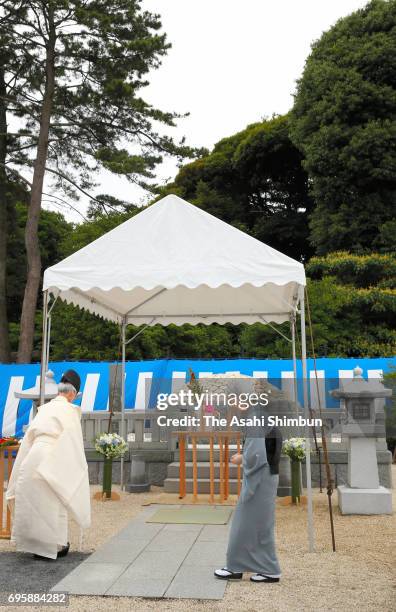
[63, 551]
[225, 574]
[263, 578]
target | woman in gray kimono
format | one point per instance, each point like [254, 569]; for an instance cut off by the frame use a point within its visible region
[251, 546]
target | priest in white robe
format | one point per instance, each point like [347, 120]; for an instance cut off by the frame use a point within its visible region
[49, 480]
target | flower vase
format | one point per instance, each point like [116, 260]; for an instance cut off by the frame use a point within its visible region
[295, 481]
[107, 477]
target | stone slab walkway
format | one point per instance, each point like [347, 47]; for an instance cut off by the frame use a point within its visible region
[154, 560]
[21, 573]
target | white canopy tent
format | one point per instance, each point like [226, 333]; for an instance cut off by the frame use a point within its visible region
[175, 263]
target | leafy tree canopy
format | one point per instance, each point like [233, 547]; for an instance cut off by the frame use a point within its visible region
[255, 181]
[343, 121]
[353, 304]
[358, 271]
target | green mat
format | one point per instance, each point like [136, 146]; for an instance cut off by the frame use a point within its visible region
[210, 515]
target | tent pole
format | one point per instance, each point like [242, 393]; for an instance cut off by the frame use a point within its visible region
[44, 348]
[293, 335]
[48, 341]
[306, 415]
[123, 326]
[49, 311]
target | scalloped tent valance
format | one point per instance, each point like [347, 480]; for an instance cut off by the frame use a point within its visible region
[175, 263]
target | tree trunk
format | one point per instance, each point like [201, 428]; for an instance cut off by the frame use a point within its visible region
[5, 355]
[31, 229]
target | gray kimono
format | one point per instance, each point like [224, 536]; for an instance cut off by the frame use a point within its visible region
[251, 546]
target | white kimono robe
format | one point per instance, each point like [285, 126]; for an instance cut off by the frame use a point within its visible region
[49, 479]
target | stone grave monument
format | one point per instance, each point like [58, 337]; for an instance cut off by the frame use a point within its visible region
[362, 425]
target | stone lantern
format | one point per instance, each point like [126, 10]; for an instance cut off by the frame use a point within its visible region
[50, 391]
[362, 494]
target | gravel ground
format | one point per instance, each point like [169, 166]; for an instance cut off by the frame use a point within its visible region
[359, 576]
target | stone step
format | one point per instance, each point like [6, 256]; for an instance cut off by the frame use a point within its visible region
[171, 485]
[203, 470]
[203, 454]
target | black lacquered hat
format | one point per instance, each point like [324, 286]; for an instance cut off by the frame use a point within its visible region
[73, 378]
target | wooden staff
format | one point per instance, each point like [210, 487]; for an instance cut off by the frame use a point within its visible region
[195, 469]
[182, 466]
[329, 479]
[211, 468]
[226, 468]
[221, 468]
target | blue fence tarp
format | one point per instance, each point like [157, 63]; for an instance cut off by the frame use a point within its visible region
[14, 413]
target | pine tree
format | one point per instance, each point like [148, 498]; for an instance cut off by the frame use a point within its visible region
[79, 108]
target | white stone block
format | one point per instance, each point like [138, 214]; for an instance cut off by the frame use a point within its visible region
[364, 501]
[362, 464]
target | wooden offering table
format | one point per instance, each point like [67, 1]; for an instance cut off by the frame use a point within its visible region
[7, 455]
[223, 438]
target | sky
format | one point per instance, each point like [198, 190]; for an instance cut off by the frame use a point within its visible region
[232, 63]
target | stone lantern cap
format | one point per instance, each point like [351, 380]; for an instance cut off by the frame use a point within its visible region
[359, 387]
[51, 389]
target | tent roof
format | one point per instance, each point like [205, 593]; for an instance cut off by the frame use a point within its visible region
[176, 263]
